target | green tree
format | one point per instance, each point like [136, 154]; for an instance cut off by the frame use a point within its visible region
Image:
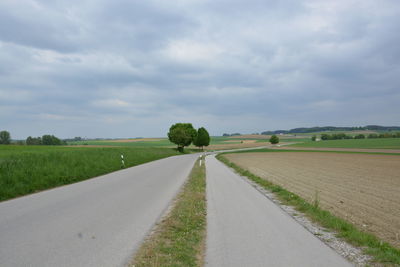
[359, 136]
[325, 137]
[50, 140]
[182, 134]
[202, 139]
[33, 140]
[5, 138]
[314, 138]
[274, 139]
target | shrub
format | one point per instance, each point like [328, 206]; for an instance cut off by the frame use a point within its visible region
[274, 139]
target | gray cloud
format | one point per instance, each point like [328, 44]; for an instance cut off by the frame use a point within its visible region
[131, 68]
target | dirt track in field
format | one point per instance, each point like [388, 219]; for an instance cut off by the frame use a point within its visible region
[361, 188]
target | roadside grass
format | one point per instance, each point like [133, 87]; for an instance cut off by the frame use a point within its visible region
[29, 169]
[384, 143]
[179, 239]
[382, 252]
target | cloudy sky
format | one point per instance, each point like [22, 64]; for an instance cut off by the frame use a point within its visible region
[128, 68]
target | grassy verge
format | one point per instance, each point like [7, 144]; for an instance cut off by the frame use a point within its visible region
[382, 252]
[179, 238]
[28, 169]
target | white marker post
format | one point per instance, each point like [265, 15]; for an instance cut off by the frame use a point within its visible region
[200, 160]
[122, 161]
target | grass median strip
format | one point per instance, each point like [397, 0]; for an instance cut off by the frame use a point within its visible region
[179, 239]
[383, 253]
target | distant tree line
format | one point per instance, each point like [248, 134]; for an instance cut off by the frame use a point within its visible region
[333, 128]
[233, 134]
[78, 138]
[339, 136]
[46, 140]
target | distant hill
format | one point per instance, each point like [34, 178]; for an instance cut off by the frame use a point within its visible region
[333, 128]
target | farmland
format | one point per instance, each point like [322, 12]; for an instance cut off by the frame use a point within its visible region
[363, 189]
[216, 143]
[28, 169]
[378, 143]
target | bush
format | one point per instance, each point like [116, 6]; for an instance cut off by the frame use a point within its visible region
[274, 139]
[314, 138]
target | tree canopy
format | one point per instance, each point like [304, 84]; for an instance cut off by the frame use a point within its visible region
[182, 134]
[202, 139]
[5, 137]
[49, 140]
[274, 139]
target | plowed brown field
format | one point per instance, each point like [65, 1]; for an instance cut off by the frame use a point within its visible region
[361, 188]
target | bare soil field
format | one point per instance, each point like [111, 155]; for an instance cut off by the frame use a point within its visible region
[364, 189]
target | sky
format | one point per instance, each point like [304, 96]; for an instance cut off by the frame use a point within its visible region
[126, 68]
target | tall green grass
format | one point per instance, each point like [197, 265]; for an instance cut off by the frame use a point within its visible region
[28, 169]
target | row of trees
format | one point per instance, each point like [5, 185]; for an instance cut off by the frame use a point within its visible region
[333, 128]
[5, 139]
[183, 134]
[47, 140]
[339, 136]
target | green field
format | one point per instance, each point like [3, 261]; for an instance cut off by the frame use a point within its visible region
[28, 169]
[161, 143]
[384, 143]
[164, 142]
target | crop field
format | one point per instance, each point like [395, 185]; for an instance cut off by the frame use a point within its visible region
[28, 169]
[363, 189]
[376, 143]
[216, 143]
[143, 142]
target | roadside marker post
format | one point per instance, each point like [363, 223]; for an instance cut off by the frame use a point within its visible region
[122, 161]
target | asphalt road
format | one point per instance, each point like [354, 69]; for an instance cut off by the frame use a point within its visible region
[244, 228]
[98, 222]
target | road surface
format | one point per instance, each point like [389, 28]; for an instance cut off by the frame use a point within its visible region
[98, 222]
[244, 228]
